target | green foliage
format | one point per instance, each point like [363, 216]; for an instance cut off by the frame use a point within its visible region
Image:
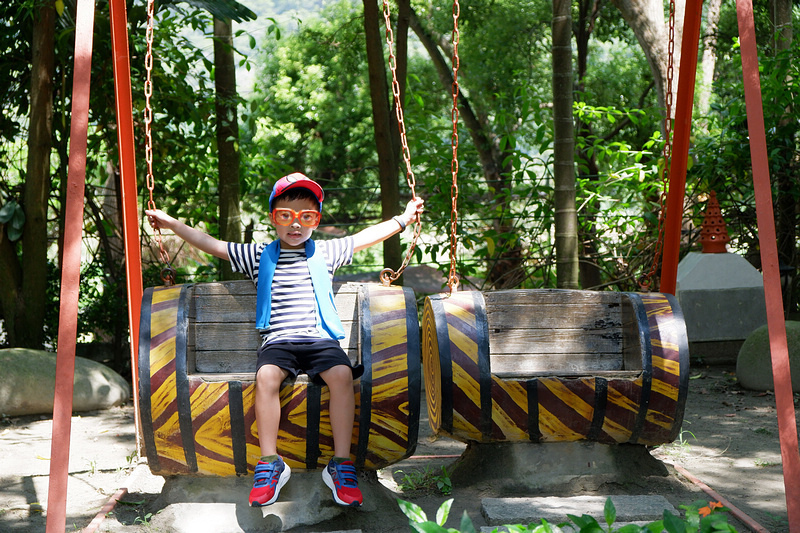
[426, 480]
[699, 517]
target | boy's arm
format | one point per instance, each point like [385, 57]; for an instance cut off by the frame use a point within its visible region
[195, 237]
[380, 232]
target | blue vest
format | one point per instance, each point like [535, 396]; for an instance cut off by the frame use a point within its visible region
[329, 324]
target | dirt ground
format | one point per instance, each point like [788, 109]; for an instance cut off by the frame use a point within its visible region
[729, 441]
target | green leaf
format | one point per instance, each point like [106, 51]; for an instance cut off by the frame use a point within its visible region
[673, 524]
[466, 524]
[610, 512]
[413, 511]
[60, 7]
[444, 512]
[7, 211]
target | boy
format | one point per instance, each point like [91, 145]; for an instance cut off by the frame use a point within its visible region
[298, 321]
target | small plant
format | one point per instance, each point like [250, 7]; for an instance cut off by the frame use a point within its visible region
[132, 457]
[418, 520]
[700, 517]
[426, 479]
[765, 464]
[763, 431]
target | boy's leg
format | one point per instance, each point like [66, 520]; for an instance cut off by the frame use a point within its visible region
[339, 380]
[271, 473]
[340, 474]
[268, 407]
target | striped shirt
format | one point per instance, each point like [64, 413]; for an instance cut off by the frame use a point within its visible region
[293, 315]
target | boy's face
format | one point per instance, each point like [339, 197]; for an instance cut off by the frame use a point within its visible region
[295, 234]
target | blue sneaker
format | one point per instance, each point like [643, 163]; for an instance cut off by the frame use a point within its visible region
[268, 481]
[341, 479]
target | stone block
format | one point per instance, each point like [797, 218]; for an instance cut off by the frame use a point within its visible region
[754, 363]
[721, 296]
[27, 383]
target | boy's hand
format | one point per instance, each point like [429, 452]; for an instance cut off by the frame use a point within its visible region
[414, 207]
[159, 219]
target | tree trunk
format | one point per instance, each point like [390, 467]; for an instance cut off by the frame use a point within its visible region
[28, 329]
[505, 271]
[646, 19]
[385, 144]
[566, 220]
[228, 162]
[708, 62]
[787, 203]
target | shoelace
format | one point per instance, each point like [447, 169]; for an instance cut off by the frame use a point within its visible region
[346, 475]
[266, 474]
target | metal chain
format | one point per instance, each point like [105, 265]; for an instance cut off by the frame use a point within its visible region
[167, 273]
[646, 280]
[452, 280]
[388, 275]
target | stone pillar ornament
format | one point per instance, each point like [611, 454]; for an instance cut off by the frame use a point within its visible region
[714, 232]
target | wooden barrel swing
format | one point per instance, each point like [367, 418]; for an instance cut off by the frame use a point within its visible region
[555, 365]
[197, 356]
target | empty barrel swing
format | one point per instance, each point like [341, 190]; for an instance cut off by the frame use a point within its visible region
[197, 356]
[555, 365]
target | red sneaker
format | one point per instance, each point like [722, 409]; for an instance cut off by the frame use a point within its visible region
[341, 479]
[268, 481]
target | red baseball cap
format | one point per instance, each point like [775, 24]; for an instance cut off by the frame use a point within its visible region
[293, 181]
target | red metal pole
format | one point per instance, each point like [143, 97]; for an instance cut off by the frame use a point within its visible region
[127, 165]
[71, 271]
[776, 325]
[687, 72]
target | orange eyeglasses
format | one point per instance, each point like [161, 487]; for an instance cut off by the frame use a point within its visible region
[283, 216]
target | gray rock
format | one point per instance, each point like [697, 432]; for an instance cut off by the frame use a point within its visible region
[754, 363]
[27, 383]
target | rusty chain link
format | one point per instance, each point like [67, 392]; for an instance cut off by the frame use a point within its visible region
[646, 280]
[452, 280]
[387, 275]
[167, 273]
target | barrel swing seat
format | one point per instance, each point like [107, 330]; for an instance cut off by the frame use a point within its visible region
[197, 358]
[555, 365]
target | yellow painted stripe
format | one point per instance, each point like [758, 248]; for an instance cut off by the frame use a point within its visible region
[665, 389]
[161, 355]
[553, 430]
[163, 294]
[667, 365]
[464, 343]
[575, 402]
[616, 398]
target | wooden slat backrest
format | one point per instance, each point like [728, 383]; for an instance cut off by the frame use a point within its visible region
[222, 335]
[560, 332]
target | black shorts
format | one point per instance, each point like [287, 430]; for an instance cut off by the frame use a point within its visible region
[311, 358]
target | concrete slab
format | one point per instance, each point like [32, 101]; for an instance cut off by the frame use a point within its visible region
[519, 468]
[630, 509]
[721, 296]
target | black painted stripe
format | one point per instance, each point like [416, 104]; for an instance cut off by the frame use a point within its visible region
[600, 401]
[532, 388]
[313, 408]
[182, 386]
[445, 361]
[484, 365]
[238, 442]
[683, 364]
[145, 404]
[414, 349]
[643, 326]
[365, 409]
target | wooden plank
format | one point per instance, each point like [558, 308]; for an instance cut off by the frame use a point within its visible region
[526, 341]
[222, 335]
[621, 374]
[552, 296]
[555, 364]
